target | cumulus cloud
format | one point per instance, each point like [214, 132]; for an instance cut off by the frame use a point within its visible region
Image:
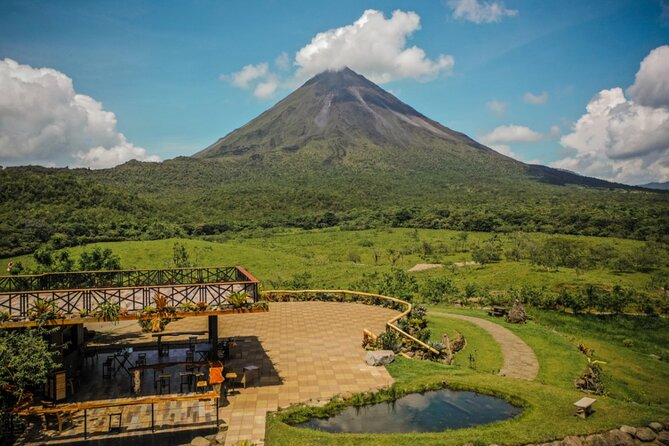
[506, 134]
[651, 84]
[535, 99]
[625, 139]
[497, 107]
[478, 12]
[374, 46]
[44, 121]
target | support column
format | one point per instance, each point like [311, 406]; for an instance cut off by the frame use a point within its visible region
[213, 337]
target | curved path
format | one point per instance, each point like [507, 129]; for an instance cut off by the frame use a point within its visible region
[519, 359]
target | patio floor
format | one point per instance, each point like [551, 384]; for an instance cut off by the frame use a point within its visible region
[304, 350]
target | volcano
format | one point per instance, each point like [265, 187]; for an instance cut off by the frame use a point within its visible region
[341, 119]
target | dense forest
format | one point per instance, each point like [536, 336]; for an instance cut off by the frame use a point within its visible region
[188, 197]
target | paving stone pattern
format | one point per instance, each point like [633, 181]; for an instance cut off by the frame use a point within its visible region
[304, 351]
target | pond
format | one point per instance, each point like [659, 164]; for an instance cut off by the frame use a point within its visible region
[432, 411]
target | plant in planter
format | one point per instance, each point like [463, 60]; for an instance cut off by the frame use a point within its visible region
[155, 318]
[238, 299]
[389, 340]
[42, 311]
[262, 305]
[188, 307]
[202, 306]
[108, 311]
[5, 316]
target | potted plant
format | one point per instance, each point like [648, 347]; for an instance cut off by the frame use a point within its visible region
[42, 311]
[108, 311]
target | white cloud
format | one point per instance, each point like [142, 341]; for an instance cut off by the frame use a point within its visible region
[282, 61]
[44, 121]
[497, 107]
[619, 140]
[651, 84]
[555, 131]
[249, 74]
[374, 46]
[266, 89]
[506, 134]
[625, 139]
[535, 99]
[479, 11]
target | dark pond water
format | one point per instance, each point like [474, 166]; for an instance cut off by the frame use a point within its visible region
[433, 411]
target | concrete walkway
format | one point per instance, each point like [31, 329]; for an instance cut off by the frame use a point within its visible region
[519, 359]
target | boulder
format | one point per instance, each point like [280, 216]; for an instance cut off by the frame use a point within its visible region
[657, 427]
[595, 440]
[628, 429]
[616, 437]
[380, 357]
[571, 441]
[645, 434]
[663, 437]
[220, 437]
[199, 441]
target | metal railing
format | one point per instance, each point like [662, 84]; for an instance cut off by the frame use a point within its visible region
[359, 296]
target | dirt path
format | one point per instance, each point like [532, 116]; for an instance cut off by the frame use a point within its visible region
[519, 359]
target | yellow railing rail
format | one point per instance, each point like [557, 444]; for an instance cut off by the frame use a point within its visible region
[390, 325]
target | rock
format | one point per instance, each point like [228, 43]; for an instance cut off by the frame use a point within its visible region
[380, 357]
[571, 441]
[595, 440]
[663, 437]
[657, 427]
[645, 434]
[666, 425]
[220, 437]
[617, 437]
[628, 429]
[199, 441]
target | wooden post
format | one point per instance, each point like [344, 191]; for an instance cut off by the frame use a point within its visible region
[213, 337]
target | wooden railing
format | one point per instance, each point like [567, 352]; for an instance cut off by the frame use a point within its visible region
[81, 292]
[359, 296]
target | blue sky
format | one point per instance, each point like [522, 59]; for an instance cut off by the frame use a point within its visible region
[521, 75]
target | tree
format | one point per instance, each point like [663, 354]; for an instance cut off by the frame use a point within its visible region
[99, 259]
[180, 256]
[25, 360]
[436, 289]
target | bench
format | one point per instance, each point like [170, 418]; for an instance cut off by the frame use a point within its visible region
[584, 407]
[498, 311]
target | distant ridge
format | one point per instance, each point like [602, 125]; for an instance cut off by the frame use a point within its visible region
[656, 186]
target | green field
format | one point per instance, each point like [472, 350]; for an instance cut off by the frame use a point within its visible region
[337, 258]
[634, 347]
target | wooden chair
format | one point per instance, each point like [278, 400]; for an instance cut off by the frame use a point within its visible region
[164, 380]
[186, 379]
[115, 421]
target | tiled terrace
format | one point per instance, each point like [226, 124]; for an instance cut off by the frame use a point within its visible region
[305, 351]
